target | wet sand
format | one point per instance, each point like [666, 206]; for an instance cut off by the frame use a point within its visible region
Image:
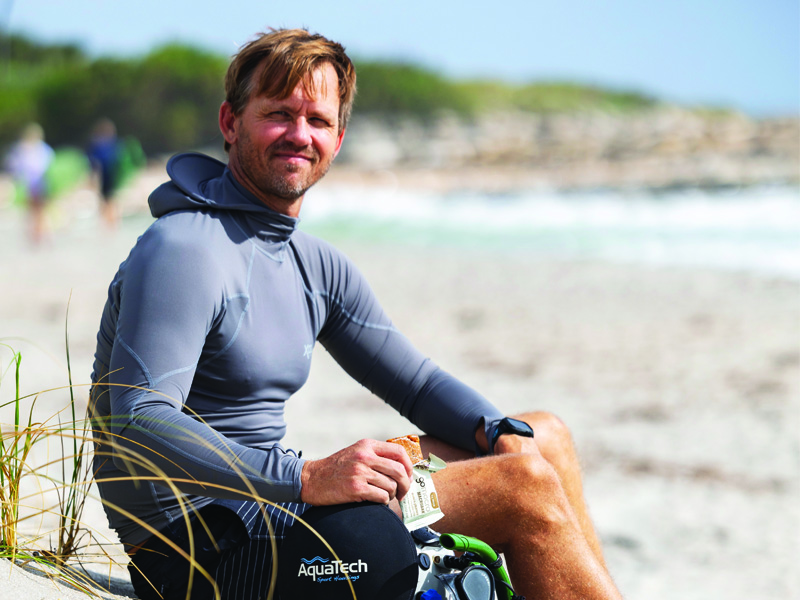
[681, 386]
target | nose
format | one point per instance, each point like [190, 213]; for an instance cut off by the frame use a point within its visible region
[298, 132]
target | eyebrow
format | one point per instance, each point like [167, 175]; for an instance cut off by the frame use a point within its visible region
[271, 104]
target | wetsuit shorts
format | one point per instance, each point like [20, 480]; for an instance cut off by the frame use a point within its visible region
[232, 543]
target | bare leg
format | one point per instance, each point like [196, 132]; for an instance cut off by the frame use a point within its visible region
[38, 224]
[555, 444]
[517, 504]
[109, 214]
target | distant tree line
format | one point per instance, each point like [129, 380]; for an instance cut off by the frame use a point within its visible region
[169, 98]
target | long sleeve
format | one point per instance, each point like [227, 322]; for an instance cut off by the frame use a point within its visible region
[362, 339]
[169, 303]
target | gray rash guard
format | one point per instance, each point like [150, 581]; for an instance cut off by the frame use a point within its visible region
[208, 330]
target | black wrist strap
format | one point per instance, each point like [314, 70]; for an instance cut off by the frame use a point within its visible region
[505, 425]
[491, 436]
[489, 429]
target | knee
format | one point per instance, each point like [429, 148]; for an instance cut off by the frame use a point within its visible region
[534, 489]
[525, 472]
[552, 437]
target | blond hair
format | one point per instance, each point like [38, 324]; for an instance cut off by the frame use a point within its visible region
[289, 57]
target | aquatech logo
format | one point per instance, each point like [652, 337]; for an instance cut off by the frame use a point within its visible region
[324, 569]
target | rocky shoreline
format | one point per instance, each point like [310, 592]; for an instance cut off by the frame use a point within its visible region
[667, 147]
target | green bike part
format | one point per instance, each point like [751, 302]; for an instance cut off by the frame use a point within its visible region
[463, 543]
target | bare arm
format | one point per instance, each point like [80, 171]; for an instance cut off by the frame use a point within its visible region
[368, 470]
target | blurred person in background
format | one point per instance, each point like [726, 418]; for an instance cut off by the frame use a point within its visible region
[27, 162]
[104, 156]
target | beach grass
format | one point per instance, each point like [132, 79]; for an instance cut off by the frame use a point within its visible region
[17, 463]
[67, 549]
[34, 493]
[13, 452]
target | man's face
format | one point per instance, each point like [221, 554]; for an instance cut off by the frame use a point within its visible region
[280, 148]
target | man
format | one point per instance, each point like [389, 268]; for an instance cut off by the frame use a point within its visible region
[207, 332]
[103, 153]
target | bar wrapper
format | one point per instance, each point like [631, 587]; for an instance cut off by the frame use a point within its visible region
[420, 506]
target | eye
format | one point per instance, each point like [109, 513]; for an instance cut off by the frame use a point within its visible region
[319, 122]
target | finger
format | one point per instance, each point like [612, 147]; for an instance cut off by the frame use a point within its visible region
[394, 452]
[386, 487]
[402, 489]
[395, 471]
[391, 460]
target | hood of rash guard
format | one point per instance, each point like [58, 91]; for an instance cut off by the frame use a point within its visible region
[200, 182]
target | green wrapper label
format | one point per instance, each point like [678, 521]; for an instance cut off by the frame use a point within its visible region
[420, 505]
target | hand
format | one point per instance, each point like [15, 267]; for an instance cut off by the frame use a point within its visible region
[368, 470]
[508, 442]
[515, 444]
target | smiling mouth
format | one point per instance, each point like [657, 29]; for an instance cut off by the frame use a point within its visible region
[294, 154]
[286, 156]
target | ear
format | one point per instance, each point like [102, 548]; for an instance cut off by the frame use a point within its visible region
[339, 143]
[227, 122]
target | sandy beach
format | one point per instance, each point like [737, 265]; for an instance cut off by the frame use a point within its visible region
[681, 386]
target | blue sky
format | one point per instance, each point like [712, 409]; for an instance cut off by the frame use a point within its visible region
[736, 53]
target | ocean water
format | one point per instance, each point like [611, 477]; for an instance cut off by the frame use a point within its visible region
[748, 229]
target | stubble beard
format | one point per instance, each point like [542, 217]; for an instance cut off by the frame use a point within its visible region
[276, 182]
[290, 189]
